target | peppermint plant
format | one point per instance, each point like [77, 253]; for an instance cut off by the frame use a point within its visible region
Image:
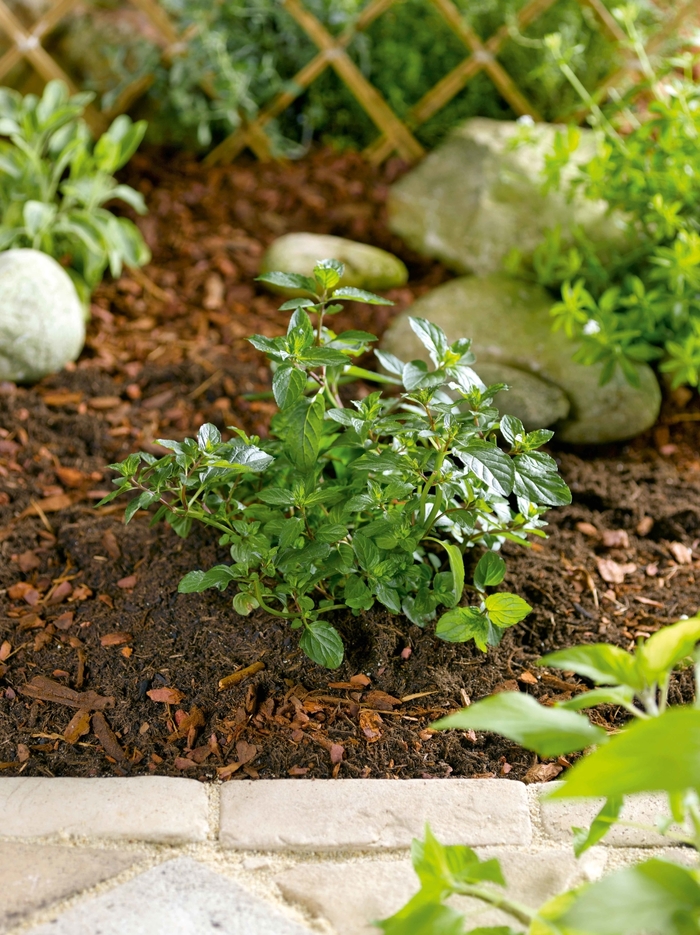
[351, 504]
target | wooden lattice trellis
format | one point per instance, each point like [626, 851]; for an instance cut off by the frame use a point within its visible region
[26, 44]
[395, 135]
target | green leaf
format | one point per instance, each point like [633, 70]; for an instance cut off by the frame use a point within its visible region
[322, 644]
[296, 303]
[243, 457]
[324, 357]
[539, 486]
[289, 281]
[490, 571]
[277, 496]
[626, 764]
[600, 662]
[511, 428]
[37, 215]
[617, 695]
[328, 273]
[517, 716]
[217, 577]
[601, 824]
[423, 916]
[431, 337]
[208, 436]
[456, 559]
[366, 551]
[464, 623]
[659, 654]
[652, 897]
[440, 866]
[490, 464]
[288, 385]
[505, 610]
[360, 295]
[303, 432]
[356, 594]
[300, 323]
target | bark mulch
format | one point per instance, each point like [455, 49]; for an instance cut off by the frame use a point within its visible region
[105, 669]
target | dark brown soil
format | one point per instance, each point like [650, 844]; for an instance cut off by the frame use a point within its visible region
[167, 352]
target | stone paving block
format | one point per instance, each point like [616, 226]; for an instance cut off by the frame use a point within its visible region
[180, 897]
[352, 894]
[158, 809]
[368, 814]
[559, 817]
[35, 876]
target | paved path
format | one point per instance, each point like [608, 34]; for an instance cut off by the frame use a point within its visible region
[161, 856]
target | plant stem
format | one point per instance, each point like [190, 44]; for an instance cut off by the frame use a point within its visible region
[518, 910]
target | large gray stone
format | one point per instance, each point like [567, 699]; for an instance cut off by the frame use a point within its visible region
[351, 895]
[180, 897]
[366, 267]
[509, 323]
[476, 197]
[42, 321]
[371, 814]
[159, 809]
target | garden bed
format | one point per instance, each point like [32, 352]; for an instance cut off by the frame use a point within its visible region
[92, 605]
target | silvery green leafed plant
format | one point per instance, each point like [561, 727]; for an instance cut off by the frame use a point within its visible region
[54, 184]
[657, 751]
[347, 505]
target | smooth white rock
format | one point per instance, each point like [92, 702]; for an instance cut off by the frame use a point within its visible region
[42, 321]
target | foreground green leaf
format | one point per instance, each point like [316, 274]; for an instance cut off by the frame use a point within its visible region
[517, 716]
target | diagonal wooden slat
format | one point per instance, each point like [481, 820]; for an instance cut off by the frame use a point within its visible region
[239, 139]
[366, 94]
[27, 45]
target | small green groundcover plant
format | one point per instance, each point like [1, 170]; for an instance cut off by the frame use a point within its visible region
[657, 751]
[54, 184]
[348, 505]
[641, 301]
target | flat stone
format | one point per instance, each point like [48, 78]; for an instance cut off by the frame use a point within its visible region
[35, 876]
[559, 817]
[509, 323]
[476, 197]
[351, 895]
[180, 897]
[159, 809]
[366, 267]
[371, 814]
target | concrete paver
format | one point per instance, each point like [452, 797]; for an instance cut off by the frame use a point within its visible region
[158, 809]
[351, 894]
[371, 814]
[35, 876]
[179, 897]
